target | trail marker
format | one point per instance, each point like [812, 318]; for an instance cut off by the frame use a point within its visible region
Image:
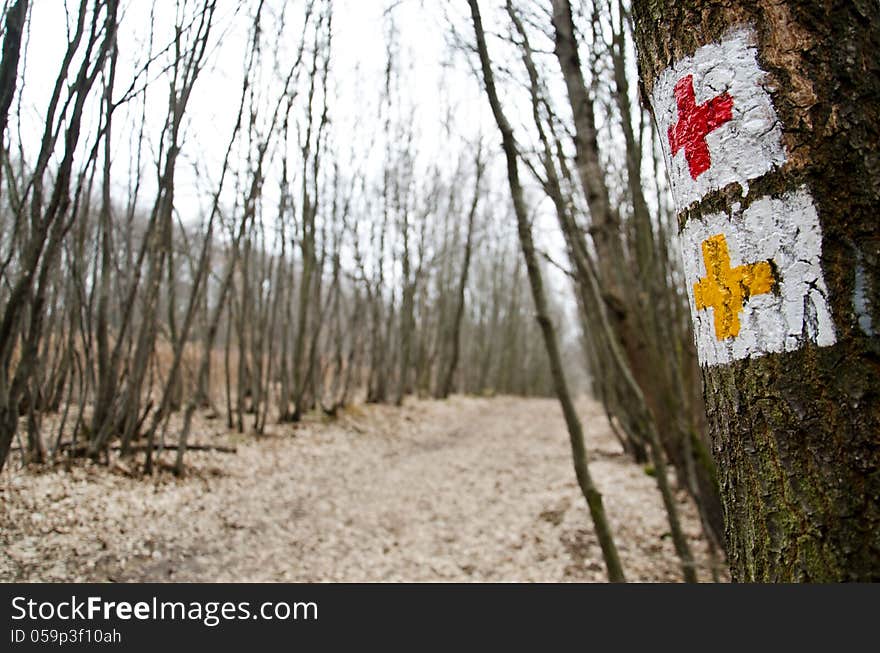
[716, 113]
[755, 280]
[695, 122]
[726, 290]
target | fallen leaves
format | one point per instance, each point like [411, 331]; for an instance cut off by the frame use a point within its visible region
[469, 489]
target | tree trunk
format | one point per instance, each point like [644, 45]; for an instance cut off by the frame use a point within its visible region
[455, 344]
[579, 454]
[790, 371]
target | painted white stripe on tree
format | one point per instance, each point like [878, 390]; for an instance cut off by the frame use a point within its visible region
[779, 236]
[716, 119]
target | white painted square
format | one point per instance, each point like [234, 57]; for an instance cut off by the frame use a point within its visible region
[786, 231]
[741, 149]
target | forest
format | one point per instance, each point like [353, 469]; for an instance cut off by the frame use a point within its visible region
[308, 290]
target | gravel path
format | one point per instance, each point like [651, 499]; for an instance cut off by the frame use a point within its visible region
[460, 490]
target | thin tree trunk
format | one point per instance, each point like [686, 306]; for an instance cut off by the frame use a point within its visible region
[579, 454]
[455, 339]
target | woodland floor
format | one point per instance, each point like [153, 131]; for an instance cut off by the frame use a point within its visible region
[467, 489]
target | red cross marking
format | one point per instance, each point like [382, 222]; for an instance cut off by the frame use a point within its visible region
[694, 122]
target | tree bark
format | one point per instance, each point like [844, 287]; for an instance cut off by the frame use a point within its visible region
[796, 434]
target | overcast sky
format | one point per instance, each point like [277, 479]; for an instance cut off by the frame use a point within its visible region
[435, 84]
[357, 66]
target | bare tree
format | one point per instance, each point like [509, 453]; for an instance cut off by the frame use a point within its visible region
[579, 454]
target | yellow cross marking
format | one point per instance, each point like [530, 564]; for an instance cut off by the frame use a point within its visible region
[725, 289]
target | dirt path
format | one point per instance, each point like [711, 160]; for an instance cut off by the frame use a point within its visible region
[466, 489]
